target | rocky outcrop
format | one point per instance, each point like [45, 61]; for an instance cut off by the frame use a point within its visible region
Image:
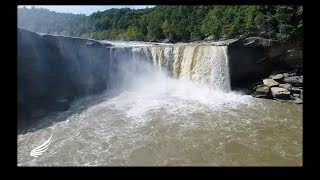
[286, 86]
[253, 42]
[54, 70]
[294, 80]
[270, 82]
[253, 58]
[276, 77]
[261, 92]
[280, 93]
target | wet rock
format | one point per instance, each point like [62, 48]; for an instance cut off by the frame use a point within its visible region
[280, 93]
[286, 86]
[270, 82]
[294, 80]
[297, 100]
[276, 77]
[261, 92]
[260, 96]
[296, 95]
[257, 83]
[258, 86]
[263, 89]
[296, 90]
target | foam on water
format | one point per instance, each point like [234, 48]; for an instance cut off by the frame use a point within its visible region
[176, 95]
[176, 109]
[170, 122]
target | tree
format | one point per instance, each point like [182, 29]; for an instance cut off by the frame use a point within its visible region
[133, 33]
[176, 23]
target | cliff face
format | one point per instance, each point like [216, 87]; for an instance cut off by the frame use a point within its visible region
[254, 58]
[53, 70]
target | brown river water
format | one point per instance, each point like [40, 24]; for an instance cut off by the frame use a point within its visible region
[168, 122]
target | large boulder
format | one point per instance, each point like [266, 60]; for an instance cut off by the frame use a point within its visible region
[296, 90]
[280, 93]
[294, 80]
[270, 82]
[261, 92]
[286, 86]
[276, 76]
[296, 95]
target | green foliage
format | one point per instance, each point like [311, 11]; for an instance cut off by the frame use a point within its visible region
[133, 33]
[176, 23]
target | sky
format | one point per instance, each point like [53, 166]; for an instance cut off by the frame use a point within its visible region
[87, 10]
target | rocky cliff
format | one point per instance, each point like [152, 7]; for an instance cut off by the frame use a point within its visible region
[267, 68]
[254, 58]
[53, 70]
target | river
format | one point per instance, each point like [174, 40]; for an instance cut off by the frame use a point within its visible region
[193, 120]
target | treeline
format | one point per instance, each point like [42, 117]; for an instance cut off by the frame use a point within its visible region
[50, 22]
[170, 23]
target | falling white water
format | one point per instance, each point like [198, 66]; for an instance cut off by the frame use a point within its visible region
[203, 64]
[187, 118]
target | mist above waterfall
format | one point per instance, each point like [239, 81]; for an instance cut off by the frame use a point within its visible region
[151, 76]
[172, 106]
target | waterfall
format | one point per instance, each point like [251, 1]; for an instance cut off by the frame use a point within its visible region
[204, 64]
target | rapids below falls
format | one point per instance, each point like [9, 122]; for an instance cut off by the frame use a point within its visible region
[168, 106]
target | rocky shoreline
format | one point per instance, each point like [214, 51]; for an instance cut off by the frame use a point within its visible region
[285, 86]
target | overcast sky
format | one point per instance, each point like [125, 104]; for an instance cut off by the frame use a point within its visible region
[87, 10]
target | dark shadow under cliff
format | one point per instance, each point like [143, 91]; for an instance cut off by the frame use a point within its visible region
[54, 70]
[252, 59]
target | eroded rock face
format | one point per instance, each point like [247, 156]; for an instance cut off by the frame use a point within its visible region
[53, 70]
